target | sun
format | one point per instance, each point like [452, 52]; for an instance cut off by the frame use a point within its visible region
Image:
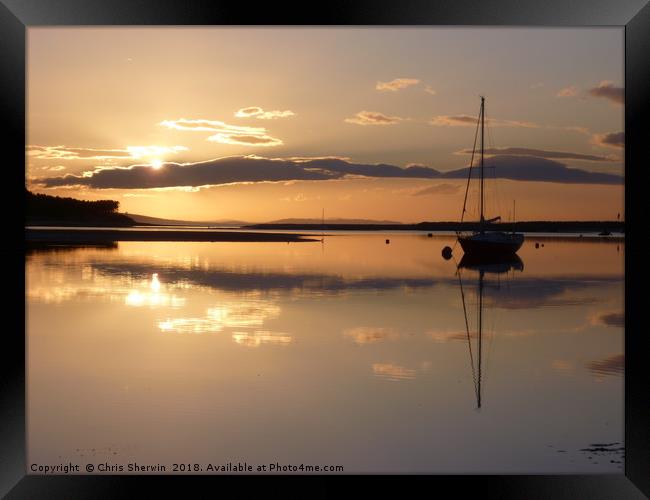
[156, 164]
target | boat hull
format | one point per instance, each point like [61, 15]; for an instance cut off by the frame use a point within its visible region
[491, 245]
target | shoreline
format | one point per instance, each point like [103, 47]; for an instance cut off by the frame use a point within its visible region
[523, 227]
[101, 236]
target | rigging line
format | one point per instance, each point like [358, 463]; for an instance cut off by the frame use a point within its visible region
[495, 203]
[469, 341]
[491, 339]
[471, 163]
[494, 173]
[479, 333]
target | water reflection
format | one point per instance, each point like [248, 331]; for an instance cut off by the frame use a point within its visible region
[615, 319]
[357, 355]
[361, 335]
[153, 297]
[611, 365]
[245, 314]
[393, 372]
[255, 339]
[482, 266]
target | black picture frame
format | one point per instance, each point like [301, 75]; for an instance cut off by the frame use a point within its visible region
[17, 15]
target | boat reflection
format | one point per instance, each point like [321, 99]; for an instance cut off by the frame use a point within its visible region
[484, 266]
[496, 265]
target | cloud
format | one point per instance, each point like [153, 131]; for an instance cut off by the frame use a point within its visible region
[371, 334]
[609, 139]
[225, 133]
[454, 121]
[441, 189]
[430, 90]
[260, 114]
[300, 197]
[608, 90]
[540, 153]
[234, 169]
[571, 91]
[612, 365]
[72, 153]
[55, 168]
[471, 121]
[229, 170]
[532, 168]
[397, 84]
[245, 140]
[536, 85]
[373, 118]
[143, 151]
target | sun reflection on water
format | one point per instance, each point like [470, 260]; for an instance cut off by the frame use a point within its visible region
[247, 314]
[255, 339]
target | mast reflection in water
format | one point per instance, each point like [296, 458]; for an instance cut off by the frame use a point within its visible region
[482, 265]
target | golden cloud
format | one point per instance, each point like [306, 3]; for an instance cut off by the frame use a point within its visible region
[571, 91]
[608, 90]
[260, 114]
[72, 153]
[609, 139]
[470, 121]
[397, 84]
[373, 118]
[225, 133]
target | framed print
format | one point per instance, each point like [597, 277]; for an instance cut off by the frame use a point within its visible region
[374, 240]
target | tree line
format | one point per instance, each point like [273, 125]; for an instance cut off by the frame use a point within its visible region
[43, 207]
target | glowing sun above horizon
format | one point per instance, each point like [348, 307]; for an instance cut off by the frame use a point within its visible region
[156, 164]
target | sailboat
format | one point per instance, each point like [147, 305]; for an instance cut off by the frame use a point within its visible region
[485, 242]
[483, 266]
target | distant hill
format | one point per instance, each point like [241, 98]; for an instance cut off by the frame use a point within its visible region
[145, 219]
[157, 221]
[332, 221]
[46, 210]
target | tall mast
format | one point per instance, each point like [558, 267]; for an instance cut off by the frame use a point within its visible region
[482, 151]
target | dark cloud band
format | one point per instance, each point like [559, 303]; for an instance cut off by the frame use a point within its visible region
[257, 169]
[541, 153]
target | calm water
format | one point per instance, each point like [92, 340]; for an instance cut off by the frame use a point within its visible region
[351, 352]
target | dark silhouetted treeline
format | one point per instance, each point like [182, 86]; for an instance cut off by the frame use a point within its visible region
[43, 209]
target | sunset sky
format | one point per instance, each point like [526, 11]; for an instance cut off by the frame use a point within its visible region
[258, 124]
